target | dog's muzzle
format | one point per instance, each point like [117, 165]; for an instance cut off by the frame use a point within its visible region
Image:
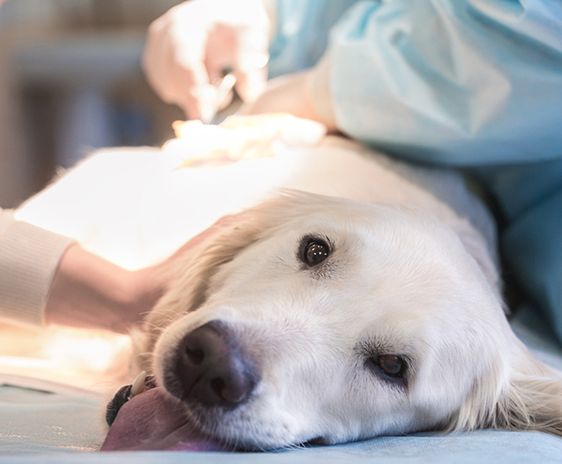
[211, 368]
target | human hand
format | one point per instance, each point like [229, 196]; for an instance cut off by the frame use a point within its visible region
[303, 94]
[189, 47]
[90, 292]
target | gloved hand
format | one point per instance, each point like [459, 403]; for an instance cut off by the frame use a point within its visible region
[190, 46]
[305, 95]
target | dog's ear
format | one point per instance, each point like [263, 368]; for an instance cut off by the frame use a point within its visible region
[192, 273]
[532, 400]
[525, 397]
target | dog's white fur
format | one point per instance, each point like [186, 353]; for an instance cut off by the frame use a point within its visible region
[409, 275]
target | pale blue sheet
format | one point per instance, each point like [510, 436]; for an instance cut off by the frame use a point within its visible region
[479, 447]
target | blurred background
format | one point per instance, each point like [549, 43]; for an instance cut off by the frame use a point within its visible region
[70, 81]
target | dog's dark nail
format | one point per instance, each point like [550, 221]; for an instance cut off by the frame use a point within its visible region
[121, 397]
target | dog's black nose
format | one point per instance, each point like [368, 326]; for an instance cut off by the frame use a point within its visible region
[212, 369]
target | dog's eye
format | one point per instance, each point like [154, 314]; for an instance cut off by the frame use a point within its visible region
[390, 365]
[313, 251]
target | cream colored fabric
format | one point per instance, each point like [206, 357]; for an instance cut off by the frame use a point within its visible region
[29, 257]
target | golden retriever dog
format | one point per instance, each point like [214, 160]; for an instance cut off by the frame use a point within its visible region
[355, 295]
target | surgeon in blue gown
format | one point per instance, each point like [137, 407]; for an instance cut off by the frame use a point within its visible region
[473, 84]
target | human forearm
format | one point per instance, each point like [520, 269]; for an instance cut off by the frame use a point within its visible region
[46, 278]
[88, 291]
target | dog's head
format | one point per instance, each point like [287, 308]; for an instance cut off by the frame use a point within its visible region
[321, 318]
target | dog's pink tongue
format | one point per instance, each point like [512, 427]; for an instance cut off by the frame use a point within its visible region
[153, 421]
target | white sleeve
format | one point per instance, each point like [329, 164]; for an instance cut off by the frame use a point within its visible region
[29, 257]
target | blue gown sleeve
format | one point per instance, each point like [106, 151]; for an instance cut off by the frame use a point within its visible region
[301, 32]
[456, 82]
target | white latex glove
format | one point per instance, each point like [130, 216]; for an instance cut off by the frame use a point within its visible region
[305, 95]
[190, 46]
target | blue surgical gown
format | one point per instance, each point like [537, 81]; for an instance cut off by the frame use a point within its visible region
[475, 84]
